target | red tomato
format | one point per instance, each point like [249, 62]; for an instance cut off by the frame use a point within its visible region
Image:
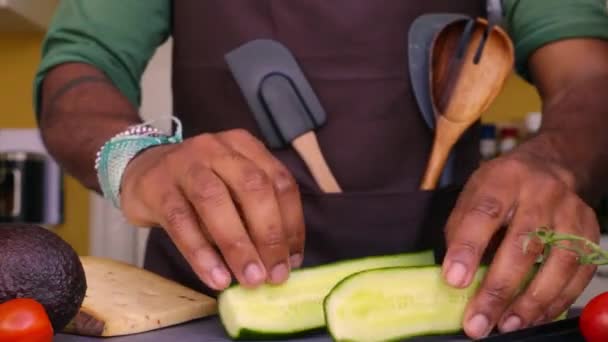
[24, 320]
[594, 319]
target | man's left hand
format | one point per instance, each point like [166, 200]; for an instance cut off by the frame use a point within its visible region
[519, 192]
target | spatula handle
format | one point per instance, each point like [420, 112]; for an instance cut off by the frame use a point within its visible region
[308, 148]
[446, 135]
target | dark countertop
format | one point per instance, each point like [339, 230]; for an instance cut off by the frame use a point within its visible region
[210, 330]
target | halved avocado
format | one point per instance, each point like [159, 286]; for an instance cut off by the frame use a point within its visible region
[36, 263]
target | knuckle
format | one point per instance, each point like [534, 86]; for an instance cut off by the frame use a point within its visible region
[510, 165]
[567, 217]
[238, 134]
[235, 246]
[559, 305]
[497, 292]
[567, 260]
[231, 156]
[210, 191]
[244, 140]
[489, 206]
[254, 180]
[550, 183]
[541, 186]
[532, 217]
[567, 298]
[194, 171]
[284, 182]
[176, 217]
[566, 178]
[273, 238]
[198, 253]
[467, 247]
[536, 300]
[534, 246]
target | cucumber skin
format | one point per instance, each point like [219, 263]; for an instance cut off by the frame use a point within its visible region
[247, 334]
[255, 335]
[481, 268]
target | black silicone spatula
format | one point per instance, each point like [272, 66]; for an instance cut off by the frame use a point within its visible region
[283, 103]
[421, 35]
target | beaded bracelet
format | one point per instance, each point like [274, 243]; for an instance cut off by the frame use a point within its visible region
[114, 156]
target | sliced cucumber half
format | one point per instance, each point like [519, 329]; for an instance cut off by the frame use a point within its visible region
[296, 306]
[395, 303]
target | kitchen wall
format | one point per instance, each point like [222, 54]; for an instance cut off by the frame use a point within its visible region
[517, 98]
[19, 56]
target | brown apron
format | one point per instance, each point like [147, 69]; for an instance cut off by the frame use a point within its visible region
[354, 54]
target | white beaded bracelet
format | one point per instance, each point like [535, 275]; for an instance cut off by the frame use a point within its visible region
[114, 156]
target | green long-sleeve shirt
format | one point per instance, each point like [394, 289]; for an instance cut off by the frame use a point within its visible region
[120, 36]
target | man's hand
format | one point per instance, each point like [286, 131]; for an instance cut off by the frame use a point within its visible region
[226, 202]
[547, 181]
[523, 192]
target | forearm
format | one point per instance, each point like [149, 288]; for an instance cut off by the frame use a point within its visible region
[575, 124]
[572, 79]
[80, 110]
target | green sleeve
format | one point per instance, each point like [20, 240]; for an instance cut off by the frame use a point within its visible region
[119, 37]
[534, 23]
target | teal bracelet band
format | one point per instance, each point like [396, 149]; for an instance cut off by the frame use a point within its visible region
[116, 153]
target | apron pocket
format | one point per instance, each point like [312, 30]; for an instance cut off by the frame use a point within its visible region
[351, 225]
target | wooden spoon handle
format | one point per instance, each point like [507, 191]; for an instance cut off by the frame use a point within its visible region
[446, 135]
[308, 148]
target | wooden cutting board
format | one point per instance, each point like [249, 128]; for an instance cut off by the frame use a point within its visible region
[123, 299]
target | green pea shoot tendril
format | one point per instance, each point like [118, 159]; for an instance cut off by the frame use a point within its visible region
[587, 251]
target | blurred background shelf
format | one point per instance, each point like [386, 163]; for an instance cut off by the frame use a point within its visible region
[26, 15]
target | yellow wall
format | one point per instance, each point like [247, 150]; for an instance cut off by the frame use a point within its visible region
[516, 100]
[19, 56]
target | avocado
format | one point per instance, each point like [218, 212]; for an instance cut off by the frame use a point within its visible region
[36, 263]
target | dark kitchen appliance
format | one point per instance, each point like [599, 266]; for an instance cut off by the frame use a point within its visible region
[22, 187]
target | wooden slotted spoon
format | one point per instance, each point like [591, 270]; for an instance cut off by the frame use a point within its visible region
[465, 80]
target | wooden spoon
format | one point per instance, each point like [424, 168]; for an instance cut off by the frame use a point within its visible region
[460, 98]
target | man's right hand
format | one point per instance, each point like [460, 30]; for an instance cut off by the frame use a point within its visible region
[226, 202]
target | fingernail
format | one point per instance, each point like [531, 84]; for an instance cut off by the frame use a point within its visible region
[456, 274]
[279, 273]
[296, 260]
[254, 273]
[479, 326]
[220, 277]
[511, 324]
